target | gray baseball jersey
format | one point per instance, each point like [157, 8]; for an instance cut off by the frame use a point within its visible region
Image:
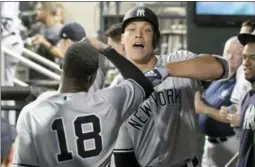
[163, 130]
[74, 129]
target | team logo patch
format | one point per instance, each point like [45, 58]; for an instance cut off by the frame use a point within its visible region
[224, 93]
[140, 12]
[64, 35]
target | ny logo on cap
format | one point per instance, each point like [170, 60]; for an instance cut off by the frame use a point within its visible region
[140, 12]
[64, 35]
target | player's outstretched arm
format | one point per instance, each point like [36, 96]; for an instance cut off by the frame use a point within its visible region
[202, 67]
[127, 69]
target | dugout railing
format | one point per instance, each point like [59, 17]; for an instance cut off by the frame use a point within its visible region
[23, 93]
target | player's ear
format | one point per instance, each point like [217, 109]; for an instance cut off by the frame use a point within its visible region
[69, 42]
[122, 39]
[122, 42]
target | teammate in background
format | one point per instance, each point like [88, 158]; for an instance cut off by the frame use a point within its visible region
[246, 124]
[163, 131]
[58, 131]
[221, 143]
[70, 34]
[242, 85]
[11, 39]
[113, 36]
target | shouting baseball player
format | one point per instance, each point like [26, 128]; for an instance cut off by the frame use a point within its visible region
[163, 131]
[76, 127]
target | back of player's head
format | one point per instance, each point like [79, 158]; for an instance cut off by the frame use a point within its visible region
[114, 32]
[80, 61]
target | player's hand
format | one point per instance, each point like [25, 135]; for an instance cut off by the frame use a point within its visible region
[224, 111]
[234, 119]
[200, 106]
[100, 46]
[157, 75]
[39, 39]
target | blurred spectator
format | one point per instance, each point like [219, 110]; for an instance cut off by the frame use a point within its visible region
[48, 35]
[11, 39]
[8, 135]
[221, 143]
[59, 17]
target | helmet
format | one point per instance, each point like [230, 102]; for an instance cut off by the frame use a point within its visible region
[144, 14]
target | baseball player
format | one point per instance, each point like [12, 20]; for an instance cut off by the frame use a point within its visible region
[247, 106]
[74, 32]
[11, 39]
[76, 127]
[113, 36]
[242, 85]
[163, 130]
[221, 143]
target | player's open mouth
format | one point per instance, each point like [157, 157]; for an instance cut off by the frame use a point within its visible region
[138, 46]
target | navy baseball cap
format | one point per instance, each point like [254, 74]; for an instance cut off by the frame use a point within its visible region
[73, 31]
[246, 38]
[8, 135]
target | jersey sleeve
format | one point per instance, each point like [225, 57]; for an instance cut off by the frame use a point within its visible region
[124, 97]
[123, 143]
[186, 55]
[24, 149]
[180, 55]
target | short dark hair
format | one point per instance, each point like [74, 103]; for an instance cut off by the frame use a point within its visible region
[249, 23]
[80, 61]
[114, 32]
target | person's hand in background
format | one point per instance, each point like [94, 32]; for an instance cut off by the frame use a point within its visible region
[224, 113]
[234, 119]
[39, 39]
